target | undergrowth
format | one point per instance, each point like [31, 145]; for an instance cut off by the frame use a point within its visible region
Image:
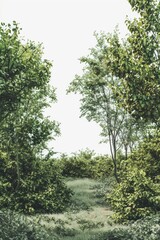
[90, 220]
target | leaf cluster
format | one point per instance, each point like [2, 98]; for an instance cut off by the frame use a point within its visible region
[41, 188]
[22, 68]
[138, 194]
[18, 227]
[144, 229]
[85, 164]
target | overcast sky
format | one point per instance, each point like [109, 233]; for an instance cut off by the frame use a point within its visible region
[66, 27]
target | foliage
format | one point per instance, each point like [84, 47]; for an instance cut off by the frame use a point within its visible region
[135, 197]
[41, 190]
[138, 193]
[134, 61]
[22, 68]
[27, 129]
[85, 164]
[25, 92]
[76, 165]
[98, 100]
[147, 228]
[147, 156]
[102, 166]
[25, 135]
[25, 76]
[115, 234]
[18, 227]
[144, 229]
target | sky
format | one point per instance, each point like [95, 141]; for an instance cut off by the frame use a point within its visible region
[66, 27]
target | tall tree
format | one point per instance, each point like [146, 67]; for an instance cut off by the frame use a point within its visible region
[24, 94]
[136, 60]
[22, 68]
[98, 101]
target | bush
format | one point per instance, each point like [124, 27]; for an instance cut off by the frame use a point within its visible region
[147, 228]
[102, 167]
[41, 191]
[138, 194]
[144, 229]
[75, 166]
[135, 197]
[18, 227]
[85, 164]
[147, 157]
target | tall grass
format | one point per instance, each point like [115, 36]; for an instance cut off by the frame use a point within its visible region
[87, 219]
[84, 193]
[86, 216]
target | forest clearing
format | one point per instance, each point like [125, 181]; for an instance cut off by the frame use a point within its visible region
[83, 195]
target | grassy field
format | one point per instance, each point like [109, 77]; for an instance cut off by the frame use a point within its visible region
[87, 216]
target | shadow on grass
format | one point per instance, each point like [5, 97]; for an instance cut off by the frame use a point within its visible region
[87, 215]
[86, 195]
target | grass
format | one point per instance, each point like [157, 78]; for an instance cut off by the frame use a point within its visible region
[84, 193]
[87, 215]
[88, 218]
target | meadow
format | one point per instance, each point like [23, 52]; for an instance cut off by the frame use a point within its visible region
[87, 215]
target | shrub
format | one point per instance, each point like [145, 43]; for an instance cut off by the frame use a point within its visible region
[138, 194]
[77, 165]
[135, 197]
[42, 190]
[144, 229]
[18, 227]
[147, 228]
[85, 164]
[147, 156]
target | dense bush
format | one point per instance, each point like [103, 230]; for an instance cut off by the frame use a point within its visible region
[76, 165]
[147, 156]
[18, 227]
[138, 193]
[102, 167]
[144, 229]
[85, 164]
[42, 190]
[135, 197]
[147, 228]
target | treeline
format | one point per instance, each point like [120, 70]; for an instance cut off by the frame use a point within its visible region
[85, 164]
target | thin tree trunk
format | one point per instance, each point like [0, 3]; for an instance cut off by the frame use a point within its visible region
[17, 163]
[114, 157]
[126, 151]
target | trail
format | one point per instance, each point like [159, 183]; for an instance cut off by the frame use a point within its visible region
[87, 216]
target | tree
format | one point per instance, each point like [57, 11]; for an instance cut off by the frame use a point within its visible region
[24, 76]
[24, 131]
[22, 68]
[98, 101]
[135, 62]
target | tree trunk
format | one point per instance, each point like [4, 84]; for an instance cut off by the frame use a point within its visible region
[112, 143]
